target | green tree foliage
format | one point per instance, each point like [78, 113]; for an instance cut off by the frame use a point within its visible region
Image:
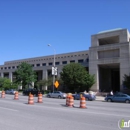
[48, 82]
[89, 81]
[75, 76]
[5, 83]
[25, 75]
[126, 81]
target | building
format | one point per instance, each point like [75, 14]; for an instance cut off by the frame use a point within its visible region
[108, 59]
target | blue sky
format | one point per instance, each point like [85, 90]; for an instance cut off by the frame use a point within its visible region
[27, 26]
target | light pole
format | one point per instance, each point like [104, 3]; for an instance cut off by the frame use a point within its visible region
[53, 65]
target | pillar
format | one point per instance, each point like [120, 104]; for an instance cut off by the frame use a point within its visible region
[10, 76]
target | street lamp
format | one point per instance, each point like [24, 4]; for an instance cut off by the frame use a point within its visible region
[53, 68]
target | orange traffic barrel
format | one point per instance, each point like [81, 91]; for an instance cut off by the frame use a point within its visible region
[3, 94]
[16, 96]
[82, 102]
[30, 99]
[71, 102]
[39, 98]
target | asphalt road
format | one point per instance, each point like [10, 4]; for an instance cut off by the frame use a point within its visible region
[52, 114]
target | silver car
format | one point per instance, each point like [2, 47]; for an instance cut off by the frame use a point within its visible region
[57, 94]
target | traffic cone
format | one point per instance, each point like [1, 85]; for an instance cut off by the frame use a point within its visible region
[39, 98]
[30, 99]
[3, 94]
[82, 102]
[71, 102]
[16, 96]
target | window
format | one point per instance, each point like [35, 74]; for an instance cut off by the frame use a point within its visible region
[72, 61]
[5, 68]
[32, 65]
[57, 63]
[64, 62]
[50, 63]
[13, 67]
[9, 67]
[1, 68]
[123, 96]
[17, 66]
[44, 64]
[38, 64]
[80, 61]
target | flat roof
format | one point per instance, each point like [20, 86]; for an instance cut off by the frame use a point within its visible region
[111, 30]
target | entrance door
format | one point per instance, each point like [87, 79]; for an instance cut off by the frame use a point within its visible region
[115, 80]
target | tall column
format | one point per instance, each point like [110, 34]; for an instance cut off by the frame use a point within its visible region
[10, 76]
[2, 75]
[44, 76]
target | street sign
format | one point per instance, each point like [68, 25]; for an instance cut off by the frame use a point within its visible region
[56, 84]
[54, 70]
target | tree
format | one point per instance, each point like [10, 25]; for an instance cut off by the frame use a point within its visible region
[126, 81]
[24, 75]
[75, 76]
[5, 83]
[48, 82]
[89, 81]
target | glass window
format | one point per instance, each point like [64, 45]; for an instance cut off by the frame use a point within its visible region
[38, 64]
[44, 64]
[80, 61]
[57, 63]
[50, 63]
[123, 96]
[64, 62]
[87, 60]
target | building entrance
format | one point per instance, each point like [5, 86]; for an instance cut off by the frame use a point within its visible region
[109, 78]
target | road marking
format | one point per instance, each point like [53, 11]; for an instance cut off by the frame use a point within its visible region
[83, 111]
[8, 109]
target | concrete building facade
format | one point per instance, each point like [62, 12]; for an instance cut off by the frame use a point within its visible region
[108, 59]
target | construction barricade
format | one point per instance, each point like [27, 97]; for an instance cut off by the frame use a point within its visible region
[71, 101]
[16, 96]
[39, 98]
[30, 99]
[83, 102]
[3, 94]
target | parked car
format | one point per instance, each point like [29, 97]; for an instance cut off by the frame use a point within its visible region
[33, 91]
[56, 94]
[118, 97]
[10, 91]
[87, 96]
